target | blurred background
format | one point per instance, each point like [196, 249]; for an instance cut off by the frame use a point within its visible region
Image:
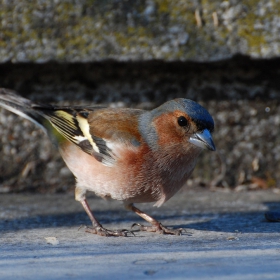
[141, 53]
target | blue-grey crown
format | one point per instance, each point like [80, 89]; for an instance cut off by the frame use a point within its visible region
[197, 113]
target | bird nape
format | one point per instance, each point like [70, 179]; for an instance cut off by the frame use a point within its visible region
[126, 154]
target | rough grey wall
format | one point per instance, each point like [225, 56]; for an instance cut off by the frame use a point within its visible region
[242, 95]
[88, 30]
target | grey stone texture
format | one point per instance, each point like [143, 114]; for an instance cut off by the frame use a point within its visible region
[87, 30]
[242, 96]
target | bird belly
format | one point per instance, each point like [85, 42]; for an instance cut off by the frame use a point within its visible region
[116, 182]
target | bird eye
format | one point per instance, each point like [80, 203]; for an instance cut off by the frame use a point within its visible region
[182, 121]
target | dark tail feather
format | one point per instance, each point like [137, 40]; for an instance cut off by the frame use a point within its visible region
[21, 106]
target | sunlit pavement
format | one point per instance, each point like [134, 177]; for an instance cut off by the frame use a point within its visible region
[226, 237]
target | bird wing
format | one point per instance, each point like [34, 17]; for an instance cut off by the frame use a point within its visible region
[95, 130]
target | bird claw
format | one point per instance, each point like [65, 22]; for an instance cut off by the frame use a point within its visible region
[99, 230]
[82, 226]
[159, 228]
[128, 232]
[136, 224]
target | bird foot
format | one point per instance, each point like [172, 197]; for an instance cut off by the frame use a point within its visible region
[99, 230]
[159, 228]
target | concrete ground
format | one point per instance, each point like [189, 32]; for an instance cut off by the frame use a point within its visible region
[227, 237]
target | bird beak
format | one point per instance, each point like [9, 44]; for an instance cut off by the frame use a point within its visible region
[203, 140]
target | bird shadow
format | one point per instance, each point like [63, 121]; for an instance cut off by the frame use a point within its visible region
[242, 221]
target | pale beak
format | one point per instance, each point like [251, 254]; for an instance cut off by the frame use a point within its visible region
[203, 140]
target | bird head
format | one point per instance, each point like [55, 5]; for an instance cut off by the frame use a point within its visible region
[179, 121]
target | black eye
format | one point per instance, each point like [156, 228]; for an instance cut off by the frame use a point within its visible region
[182, 121]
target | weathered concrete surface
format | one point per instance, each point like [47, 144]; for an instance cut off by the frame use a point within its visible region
[227, 238]
[87, 30]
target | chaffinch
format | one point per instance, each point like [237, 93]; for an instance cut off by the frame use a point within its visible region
[126, 154]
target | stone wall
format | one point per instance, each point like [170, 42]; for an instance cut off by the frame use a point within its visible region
[242, 96]
[88, 30]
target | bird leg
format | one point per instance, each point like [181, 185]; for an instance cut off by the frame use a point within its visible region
[98, 228]
[156, 226]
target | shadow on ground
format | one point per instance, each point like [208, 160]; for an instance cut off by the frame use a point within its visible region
[242, 221]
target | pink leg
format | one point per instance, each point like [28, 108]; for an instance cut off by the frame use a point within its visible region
[156, 226]
[97, 227]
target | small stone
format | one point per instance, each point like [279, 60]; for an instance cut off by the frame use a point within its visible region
[52, 240]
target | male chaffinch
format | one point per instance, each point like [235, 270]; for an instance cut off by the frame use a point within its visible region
[126, 154]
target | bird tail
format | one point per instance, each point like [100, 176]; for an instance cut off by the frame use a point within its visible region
[23, 107]
[60, 123]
